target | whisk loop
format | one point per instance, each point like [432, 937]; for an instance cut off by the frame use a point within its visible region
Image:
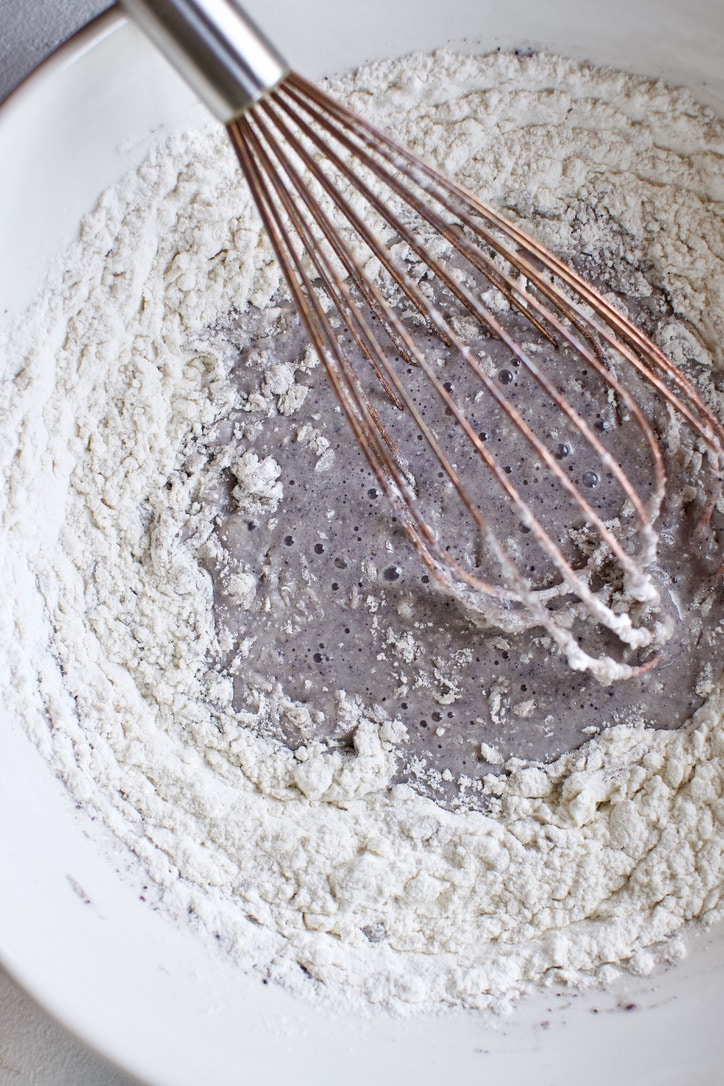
[509, 412]
[540, 391]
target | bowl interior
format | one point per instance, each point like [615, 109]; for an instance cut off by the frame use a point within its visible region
[148, 995]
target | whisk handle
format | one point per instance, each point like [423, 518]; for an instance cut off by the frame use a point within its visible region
[216, 48]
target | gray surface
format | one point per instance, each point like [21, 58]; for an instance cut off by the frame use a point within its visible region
[31, 29]
[34, 1051]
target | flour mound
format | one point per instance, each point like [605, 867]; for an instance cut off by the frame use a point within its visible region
[309, 864]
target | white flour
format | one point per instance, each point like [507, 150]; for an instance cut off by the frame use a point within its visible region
[309, 866]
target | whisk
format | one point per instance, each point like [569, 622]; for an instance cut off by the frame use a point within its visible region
[502, 403]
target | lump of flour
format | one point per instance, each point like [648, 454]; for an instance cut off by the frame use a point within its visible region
[257, 489]
[330, 835]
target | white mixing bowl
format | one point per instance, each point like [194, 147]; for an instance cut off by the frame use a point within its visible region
[146, 994]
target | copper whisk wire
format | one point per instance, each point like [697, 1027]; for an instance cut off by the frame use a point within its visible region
[337, 196]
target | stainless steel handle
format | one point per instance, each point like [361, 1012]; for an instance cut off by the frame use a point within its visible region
[216, 48]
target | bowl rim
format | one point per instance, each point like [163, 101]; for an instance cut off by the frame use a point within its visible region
[66, 52]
